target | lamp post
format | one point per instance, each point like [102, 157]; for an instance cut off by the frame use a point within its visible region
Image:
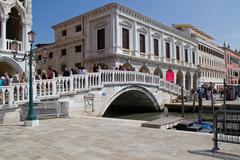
[31, 119]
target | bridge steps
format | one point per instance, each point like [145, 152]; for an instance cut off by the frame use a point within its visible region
[163, 123]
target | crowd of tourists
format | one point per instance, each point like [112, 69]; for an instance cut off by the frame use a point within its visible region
[7, 78]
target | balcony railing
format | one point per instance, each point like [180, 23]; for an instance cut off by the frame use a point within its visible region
[8, 45]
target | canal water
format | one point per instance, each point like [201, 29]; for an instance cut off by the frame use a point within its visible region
[150, 114]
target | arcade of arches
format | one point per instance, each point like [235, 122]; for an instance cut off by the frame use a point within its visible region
[127, 66]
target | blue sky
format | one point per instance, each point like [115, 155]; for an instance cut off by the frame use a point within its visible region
[219, 18]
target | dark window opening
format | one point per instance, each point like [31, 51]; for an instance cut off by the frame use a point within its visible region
[64, 52]
[125, 38]
[50, 55]
[39, 57]
[178, 53]
[101, 39]
[156, 47]
[186, 55]
[78, 49]
[142, 43]
[78, 28]
[193, 58]
[64, 33]
[167, 50]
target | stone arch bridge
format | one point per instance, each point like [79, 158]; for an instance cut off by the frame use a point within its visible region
[93, 93]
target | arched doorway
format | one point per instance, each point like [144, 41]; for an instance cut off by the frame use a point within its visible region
[131, 101]
[14, 25]
[170, 75]
[8, 65]
[158, 72]
[127, 66]
[144, 69]
[188, 81]
[179, 78]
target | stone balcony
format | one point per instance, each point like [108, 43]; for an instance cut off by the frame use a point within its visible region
[153, 57]
[7, 46]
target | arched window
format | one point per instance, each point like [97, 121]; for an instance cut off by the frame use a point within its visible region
[158, 72]
[144, 69]
[14, 25]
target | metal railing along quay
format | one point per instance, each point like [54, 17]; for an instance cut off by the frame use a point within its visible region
[226, 128]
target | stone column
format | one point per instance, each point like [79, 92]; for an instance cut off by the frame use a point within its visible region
[150, 42]
[182, 57]
[3, 32]
[87, 36]
[184, 79]
[162, 55]
[135, 37]
[116, 32]
[191, 80]
[173, 52]
[190, 56]
[27, 28]
[112, 35]
[24, 37]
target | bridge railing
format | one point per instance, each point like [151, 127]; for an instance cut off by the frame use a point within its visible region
[130, 77]
[17, 93]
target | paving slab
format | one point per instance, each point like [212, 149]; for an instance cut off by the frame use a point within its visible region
[83, 138]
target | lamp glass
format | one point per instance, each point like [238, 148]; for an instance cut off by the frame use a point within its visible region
[31, 36]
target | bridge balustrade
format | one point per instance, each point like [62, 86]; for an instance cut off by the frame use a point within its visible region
[4, 95]
[17, 93]
[20, 92]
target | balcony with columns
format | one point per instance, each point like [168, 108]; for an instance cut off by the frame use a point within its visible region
[12, 28]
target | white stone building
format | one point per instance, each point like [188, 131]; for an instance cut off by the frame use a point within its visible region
[16, 22]
[115, 35]
[211, 57]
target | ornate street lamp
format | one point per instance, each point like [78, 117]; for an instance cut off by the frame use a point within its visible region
[31, 119]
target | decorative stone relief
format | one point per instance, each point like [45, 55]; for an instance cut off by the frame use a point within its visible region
[89, 102]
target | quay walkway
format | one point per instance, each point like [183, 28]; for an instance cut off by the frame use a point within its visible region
[93, 138]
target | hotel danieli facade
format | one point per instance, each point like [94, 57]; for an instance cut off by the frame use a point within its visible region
[16, 22]
[115, 35]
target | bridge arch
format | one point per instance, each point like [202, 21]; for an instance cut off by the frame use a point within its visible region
[142, 96]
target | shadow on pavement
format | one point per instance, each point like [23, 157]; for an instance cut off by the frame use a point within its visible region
[219, 155]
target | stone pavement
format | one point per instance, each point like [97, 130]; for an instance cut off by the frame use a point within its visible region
[86, 138]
